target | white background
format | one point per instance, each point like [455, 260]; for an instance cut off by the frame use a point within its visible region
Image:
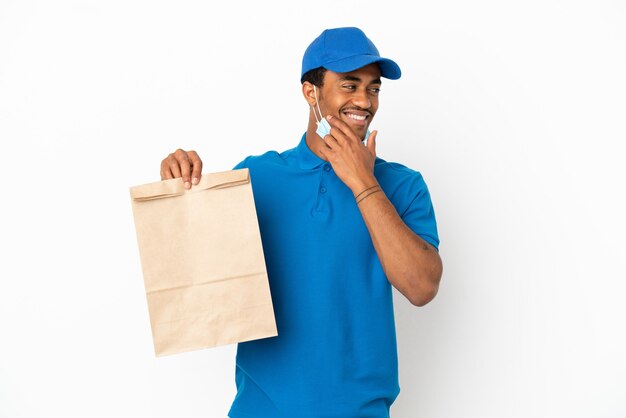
[514, 112]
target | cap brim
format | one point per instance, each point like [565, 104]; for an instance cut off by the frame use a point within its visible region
[388, 68]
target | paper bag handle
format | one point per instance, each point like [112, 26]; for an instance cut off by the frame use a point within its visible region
[175, 187]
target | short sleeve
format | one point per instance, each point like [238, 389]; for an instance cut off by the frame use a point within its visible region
[419, 215]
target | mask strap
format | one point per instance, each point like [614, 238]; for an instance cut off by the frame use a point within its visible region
[317, 102]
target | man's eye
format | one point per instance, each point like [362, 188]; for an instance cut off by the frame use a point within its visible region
[375, 90]
[349, 86]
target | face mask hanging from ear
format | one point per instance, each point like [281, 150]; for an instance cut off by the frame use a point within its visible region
[323, 127]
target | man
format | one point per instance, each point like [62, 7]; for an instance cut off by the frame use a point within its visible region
[339, 226]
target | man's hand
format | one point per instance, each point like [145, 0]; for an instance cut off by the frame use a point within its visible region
[185, 164]
[352, 161]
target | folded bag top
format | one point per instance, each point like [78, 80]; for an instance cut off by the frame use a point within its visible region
[176, 187]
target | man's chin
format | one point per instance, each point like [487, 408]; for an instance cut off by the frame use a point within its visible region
[360, 132]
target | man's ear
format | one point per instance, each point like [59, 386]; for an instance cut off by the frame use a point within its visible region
[308, 93]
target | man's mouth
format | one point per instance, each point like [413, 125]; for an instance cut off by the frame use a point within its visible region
[359, 117]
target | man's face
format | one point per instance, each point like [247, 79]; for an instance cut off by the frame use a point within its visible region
[352, 97]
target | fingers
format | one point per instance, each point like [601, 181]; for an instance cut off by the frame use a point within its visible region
[166, 168]
[196, 164]
[165, 175]
[182, 164]
[338, 129]
[371, 143]
[341, 131]
[177, 163]
[330, 141]
[326, 152]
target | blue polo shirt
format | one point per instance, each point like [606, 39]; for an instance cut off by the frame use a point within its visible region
[335, 354]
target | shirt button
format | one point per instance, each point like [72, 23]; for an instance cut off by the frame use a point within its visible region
[322, 189]
[327, 167]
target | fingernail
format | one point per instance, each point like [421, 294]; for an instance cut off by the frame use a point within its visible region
[187, 185]
[194, 180]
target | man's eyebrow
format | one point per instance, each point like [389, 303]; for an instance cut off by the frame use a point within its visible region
[350, 78]
[357, 79]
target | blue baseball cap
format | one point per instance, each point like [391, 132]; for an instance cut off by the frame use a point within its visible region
[343, 50]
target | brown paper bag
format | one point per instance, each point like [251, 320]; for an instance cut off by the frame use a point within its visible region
[202, 262]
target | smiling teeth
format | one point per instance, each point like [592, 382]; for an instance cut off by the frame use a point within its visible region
[355, 117]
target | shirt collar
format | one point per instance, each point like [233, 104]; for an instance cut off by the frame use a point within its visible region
[306, 158]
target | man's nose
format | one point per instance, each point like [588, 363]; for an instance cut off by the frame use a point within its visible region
[362, 99]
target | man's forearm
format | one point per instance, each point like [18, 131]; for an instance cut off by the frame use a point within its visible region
[412, 265]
